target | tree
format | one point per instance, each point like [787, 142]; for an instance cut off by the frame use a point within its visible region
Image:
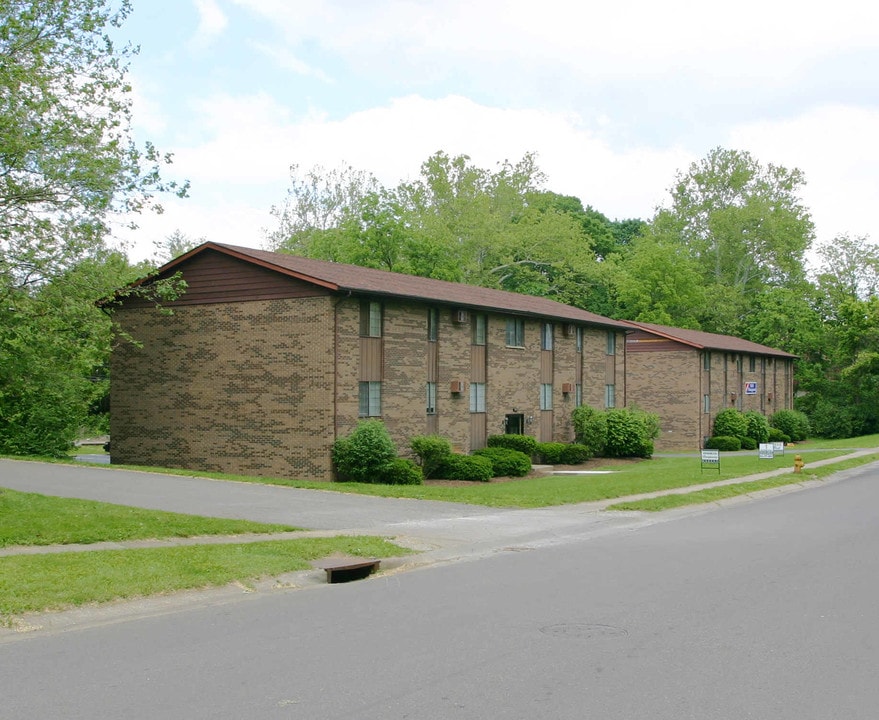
[66, 158]
[744, 225]
[174, 245]
[67, 166]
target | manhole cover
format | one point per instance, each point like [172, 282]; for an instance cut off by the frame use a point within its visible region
[583, 631]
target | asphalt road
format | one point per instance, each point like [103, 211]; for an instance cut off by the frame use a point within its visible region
[764, 609]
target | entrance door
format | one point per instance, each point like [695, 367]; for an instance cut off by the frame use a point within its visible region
[514, 424]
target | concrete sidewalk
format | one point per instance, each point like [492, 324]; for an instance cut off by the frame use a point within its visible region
[442, 530]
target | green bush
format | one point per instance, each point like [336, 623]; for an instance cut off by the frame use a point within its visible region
[402, 471]
[829, 420]
[730, 423]
[432, 451]
[748, 443]
[550, 452]
[776, 435]
[505, 462]
[466, 467]
[590, 428]
[758, 426]
[792, 423]
[723, 442]
[574, 454]
[364, 454]
[630, 432]
[522, 443]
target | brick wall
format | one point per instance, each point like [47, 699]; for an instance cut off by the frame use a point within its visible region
[241, 387]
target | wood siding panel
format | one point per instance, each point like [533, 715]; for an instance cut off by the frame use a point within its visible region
[477, 363]
[212, 277]
[477, 431]
[639, 342]
[546, 366]
[610, 370]
[370, 359]
[545, 426]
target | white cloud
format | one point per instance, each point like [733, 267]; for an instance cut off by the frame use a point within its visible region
[835, 146]
[211, 23]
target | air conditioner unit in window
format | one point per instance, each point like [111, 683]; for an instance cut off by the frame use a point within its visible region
[459, 316]
[456, 386]
[567, 388]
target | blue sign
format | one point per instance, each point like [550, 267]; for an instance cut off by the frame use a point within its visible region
[750, 388]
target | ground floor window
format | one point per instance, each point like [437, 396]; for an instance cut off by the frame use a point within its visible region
[610, 396]
[477, 397]
[546, 396]
[431, 398]
[370, 399]
[578, 395]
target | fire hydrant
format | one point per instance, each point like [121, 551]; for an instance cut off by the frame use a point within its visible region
[798, 463]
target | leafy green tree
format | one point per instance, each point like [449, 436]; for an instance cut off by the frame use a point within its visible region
[66, 158]
[744, 225]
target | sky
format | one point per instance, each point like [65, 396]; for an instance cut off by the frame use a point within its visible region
[613, 98]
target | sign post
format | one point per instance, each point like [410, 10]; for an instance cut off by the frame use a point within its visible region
[710, 459]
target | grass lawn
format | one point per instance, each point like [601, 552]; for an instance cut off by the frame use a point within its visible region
[666, 502]
[659, 473]
[32, 519]
[61, 580]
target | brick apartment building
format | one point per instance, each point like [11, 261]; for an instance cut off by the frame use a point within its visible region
[268, 358]
[688, 376]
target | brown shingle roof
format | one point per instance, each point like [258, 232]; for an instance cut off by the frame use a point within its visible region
[709, 341]
[356, 279]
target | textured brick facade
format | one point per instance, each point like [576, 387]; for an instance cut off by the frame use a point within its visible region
[265, 387]
[673, 382]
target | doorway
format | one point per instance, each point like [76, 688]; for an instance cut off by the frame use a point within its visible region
[514, 424]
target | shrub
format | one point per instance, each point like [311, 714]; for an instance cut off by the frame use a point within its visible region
[748, 443]
[829, 420]
[758, 426]
[723, 442]
[550, 452]
[363, 455]
[505, 462]
[574, 454]
[522, 443]
[590, 428]
[402, 471]
[432, 451]
[630, 432]
[466, 467]
[730, 423]
[792, 423]
[776, 435]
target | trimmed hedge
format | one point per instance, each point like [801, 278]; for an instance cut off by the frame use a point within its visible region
[792, 423]
[402, 471]
[466, 467]
[723, 442]
[776, 435]
[758, 426]
[630, 432]
[505, 462]
[364, 454]
[748, 443]
[523, 443]
[432, 451]
[550, 452]
[590, 428]
[730, 423]
[574, 454]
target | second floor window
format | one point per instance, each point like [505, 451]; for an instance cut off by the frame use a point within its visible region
[432, 324]
[480, 326]
[546, 336]
[370, 318]
[515, 332]
[611, 342]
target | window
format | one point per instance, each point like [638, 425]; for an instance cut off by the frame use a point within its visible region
[610, 396]
[611, 342]
[546, 336]
[546, 396]
[432, 323]
[752, 363]
[370, 399]
[738, 363]
[370, 318]
[477, 397]
[480, 326]
[579, 339]
[515, 332]
[578, 395]
[431, 398]
[706, 403]
[706, 360]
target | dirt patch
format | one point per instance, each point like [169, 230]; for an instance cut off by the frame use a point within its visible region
[596, 464]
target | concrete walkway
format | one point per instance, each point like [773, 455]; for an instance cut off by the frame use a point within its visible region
[443, 530]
